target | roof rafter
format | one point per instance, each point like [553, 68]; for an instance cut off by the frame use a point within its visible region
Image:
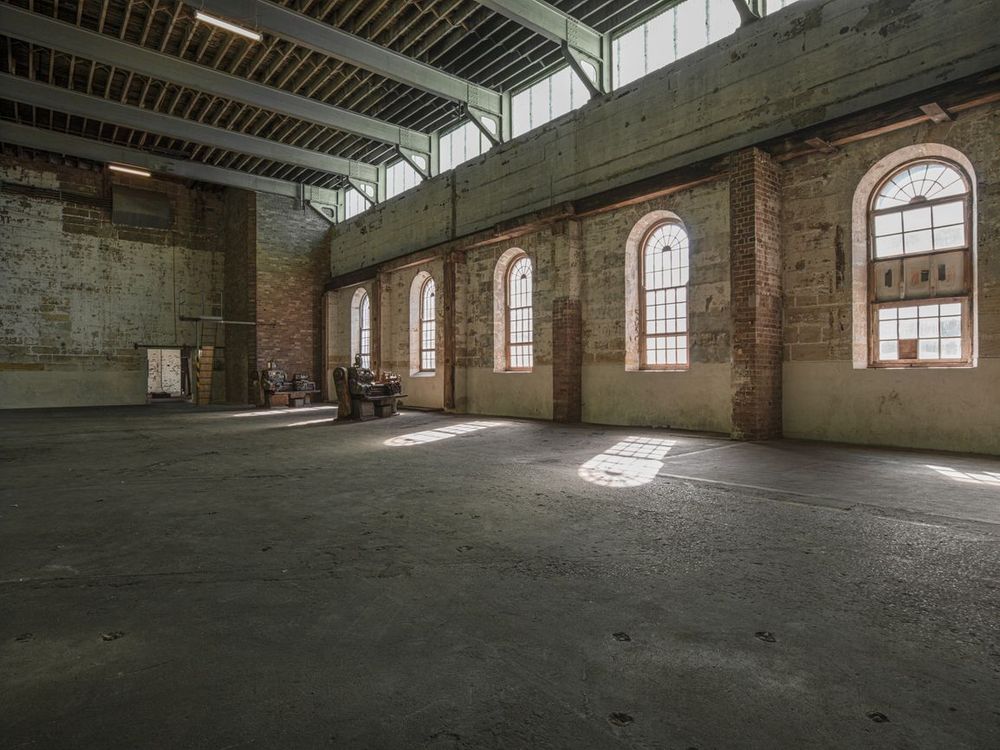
[585, 48]
[329, 40]
[44, 31]
[59, 99]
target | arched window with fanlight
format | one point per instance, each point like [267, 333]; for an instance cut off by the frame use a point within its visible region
[361, 327]
[920, 281]
[663, 275]
[428, 326]
[520, 315]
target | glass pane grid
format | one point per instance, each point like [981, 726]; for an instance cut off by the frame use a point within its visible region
[365, 331]
[931, 332]
[520, 316]
[923, 181]
[665, 276]
[920, 230]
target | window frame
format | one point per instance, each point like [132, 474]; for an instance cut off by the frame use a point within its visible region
[644, 335]
[512, 264]
[968, 268]
[426, 320]
[364, 304]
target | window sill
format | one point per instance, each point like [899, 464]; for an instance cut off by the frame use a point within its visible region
[513, 372]
[423, 373]
[658, 369]
[921, 366]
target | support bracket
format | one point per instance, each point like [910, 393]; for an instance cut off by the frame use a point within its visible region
[367, 190]
[480, 118]
[749, 11]
[592, 71]
[329, 211]
[420, 161]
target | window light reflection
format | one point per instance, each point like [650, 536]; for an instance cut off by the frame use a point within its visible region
[440, 433]
[328, 420]
[279, 412]
[632, 462]
[991, 478]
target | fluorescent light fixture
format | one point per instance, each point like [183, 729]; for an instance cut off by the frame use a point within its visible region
[227, 26]
[129, 170]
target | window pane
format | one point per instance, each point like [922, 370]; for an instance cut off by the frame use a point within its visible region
[888, 246]
[888, 224]
[692, 27]
[951, 326]
[919, 218]
[951, 348]
[630, 62]
[947, 237]
[520, 108]
[918, 242]
[949, 213]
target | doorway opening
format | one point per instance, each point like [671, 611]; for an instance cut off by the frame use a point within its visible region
[166, 374]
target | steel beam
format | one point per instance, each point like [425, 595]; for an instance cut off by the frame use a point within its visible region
[94, 108]
[47, 32]
[85, 148]
[329, 40]
[582, 45]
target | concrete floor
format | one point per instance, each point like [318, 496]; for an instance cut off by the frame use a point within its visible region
[174, 578]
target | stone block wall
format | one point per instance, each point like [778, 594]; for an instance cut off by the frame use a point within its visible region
[825, 396]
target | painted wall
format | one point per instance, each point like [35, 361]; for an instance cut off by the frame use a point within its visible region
[825, 397]
[78, 292]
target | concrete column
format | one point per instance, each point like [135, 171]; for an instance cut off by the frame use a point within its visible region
[567, 323]
[755, 268]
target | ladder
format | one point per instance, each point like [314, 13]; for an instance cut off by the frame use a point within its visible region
[208, 331]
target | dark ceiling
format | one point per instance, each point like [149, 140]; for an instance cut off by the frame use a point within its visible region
[461, 37]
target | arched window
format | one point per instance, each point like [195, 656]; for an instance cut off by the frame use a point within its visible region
[920, 266]
[520, 317]
[428, 326]
[663, 276]
[361, 327]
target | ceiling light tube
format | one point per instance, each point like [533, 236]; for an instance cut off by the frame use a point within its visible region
[129, 170]
[256, 36]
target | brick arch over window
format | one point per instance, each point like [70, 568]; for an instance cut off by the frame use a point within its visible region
[861, 234]
[423, 324]
[633, 283]
[501, 332]
[361, 326]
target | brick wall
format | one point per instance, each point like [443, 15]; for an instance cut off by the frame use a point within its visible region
[292, 265]
[78, 292]
[755, 262]
[567, 354]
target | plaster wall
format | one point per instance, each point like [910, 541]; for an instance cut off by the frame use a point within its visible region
[78, 292]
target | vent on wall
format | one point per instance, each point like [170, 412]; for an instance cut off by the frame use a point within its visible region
[140, 208]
